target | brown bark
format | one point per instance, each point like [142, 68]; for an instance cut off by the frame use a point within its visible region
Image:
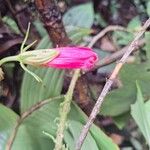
[82, 96]
[52, 19]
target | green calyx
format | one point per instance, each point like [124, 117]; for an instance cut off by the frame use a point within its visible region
[38, 57]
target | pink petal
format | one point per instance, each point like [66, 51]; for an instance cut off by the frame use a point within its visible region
[74, 57]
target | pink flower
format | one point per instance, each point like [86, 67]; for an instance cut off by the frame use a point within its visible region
[73, 58]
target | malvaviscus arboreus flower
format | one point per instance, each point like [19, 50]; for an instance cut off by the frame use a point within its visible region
[62, 57]
[73, 58]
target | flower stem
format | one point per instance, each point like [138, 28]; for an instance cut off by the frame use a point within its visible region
[4, 60]
[64, 111]
[8, 59]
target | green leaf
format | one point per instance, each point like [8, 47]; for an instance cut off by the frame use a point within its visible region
[44, 119]
[147, 107]
[11, 23]
[134, 24]
[35, 92]
[148, 8]
[138, 112]
[77, 34]
[122, 38]
[118, 101]
[121, 120]
[99, 20]
[39, 26]
[105, 142]
[44, 43]
[80, 16]
[102, 54]
[74, 129]
[147, 44]
[96, 132]
[7, 122]
[25, 139]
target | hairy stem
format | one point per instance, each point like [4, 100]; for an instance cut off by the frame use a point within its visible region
[64, 110]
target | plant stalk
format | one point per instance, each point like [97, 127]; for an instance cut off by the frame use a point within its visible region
[8, 59]
[64, 111]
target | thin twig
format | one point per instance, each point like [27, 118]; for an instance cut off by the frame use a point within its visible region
[38, 106]
[116, 55]
[108, 84]
[104, 31]
[64, 111]
[24, 116]
[13, 135]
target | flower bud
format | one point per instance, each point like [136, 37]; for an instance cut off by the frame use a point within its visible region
[73, 58]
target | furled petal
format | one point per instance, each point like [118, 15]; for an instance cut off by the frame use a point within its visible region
[73, 57]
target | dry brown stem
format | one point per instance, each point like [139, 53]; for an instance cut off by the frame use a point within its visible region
[103, 32]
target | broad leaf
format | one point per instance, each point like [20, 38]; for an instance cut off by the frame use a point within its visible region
[74, 129]
[105, 142]
[124, 38]
[33, 91]
[77, 34]
[25, 139]
[97, 133]
[140, 112]
[7, 122]
[148, 8]
[11, 23]
[118, 101]
[121, 120]
[134, 24]
[147, 44]
[80, 16]
[29, 137]
[39, 26]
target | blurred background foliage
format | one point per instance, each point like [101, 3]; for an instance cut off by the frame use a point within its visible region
[123, 120]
